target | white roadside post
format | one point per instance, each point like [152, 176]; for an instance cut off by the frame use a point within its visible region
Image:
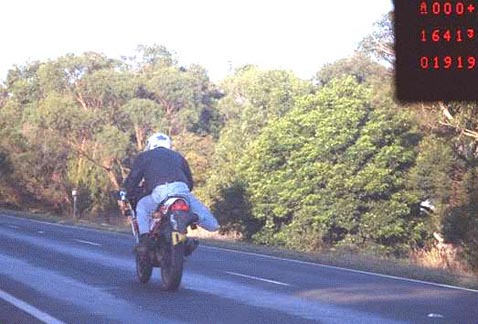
[74, 193]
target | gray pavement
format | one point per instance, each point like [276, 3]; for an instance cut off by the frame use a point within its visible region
[83, 275]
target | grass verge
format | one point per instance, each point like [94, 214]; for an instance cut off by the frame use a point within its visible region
[339, 258]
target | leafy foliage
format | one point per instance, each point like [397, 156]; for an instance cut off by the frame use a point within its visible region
[251, 99]
[360, 66]
[455, 123]
[72, 122]
[331, 172]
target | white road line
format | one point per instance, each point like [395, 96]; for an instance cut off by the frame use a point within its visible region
[77, 227]
[342, 269]
[13, 226]
[33, 311]
[87, 242]
[257, 278]
[434, 315]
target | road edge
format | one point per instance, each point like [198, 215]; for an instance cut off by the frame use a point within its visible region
[272, 252]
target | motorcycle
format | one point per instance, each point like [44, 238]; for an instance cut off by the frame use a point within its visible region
[168, 233]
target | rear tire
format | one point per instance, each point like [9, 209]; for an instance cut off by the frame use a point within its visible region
[144, 269]
[172, 267]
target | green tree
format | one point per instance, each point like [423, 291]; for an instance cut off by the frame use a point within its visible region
[360, 66]
[55, 120]
[331, 172]
[252, 98]
[431, 178]
[457, 124]
[185, 95]
[73, 122]
[460, 225]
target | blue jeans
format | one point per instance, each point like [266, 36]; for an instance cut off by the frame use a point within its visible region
[148, 204]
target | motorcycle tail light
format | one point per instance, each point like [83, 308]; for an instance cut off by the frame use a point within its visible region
[179, 205]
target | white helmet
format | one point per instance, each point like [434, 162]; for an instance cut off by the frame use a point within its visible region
[158, 140]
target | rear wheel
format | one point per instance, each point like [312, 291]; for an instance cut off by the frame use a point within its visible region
[172, 267]
[144, 269]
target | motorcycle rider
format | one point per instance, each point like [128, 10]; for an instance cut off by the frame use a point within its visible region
[165, 172]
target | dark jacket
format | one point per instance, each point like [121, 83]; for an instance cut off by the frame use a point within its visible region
[157, 167]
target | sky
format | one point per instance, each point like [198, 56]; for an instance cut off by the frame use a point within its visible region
[220, 35]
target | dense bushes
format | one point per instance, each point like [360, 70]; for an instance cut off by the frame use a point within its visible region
[332, 172]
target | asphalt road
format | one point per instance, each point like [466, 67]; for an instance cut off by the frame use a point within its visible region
[54, 273]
